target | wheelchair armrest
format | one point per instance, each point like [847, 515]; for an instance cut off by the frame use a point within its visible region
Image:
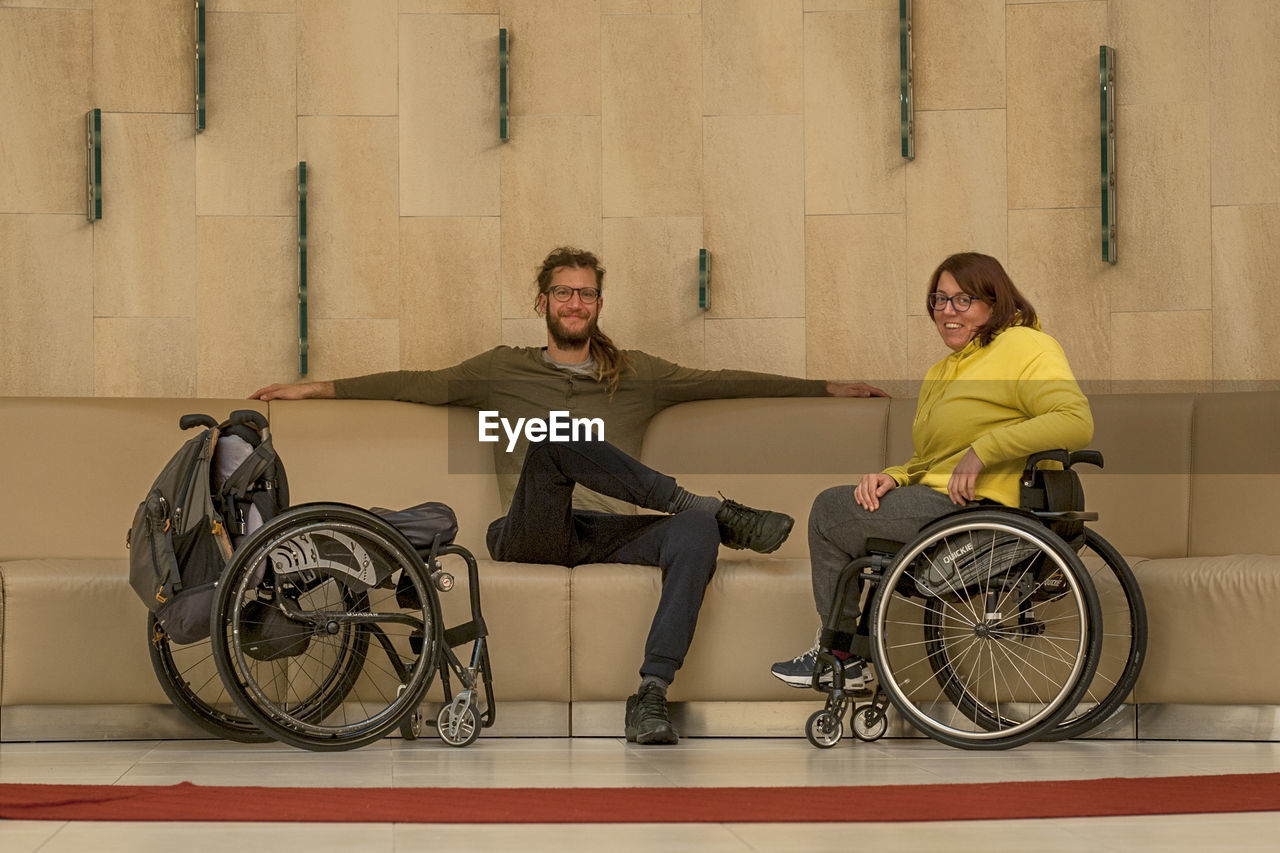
[1088, 457]
[1060, 456]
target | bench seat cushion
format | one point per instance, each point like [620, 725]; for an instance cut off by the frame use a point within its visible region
[1212, 630]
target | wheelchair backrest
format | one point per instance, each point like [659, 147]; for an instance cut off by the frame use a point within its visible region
[1057, 490]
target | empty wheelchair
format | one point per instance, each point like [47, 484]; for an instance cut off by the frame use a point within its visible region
[988, 631]
[327, 632]
[190, 679]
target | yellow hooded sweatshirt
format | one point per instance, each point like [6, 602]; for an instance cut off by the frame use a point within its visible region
[1011, 398]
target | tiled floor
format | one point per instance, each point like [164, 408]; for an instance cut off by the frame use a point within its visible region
[594, 762]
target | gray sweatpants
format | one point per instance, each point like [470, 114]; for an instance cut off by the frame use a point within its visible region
[839, 529]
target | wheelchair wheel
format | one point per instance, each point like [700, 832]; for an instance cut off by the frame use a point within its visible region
[327, 630]
[869, 722]
[1124, 639]
[190, 680]
[824, 729]
[998, 614]
[458, 727]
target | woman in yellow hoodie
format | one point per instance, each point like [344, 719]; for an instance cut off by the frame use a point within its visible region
[1005, 392]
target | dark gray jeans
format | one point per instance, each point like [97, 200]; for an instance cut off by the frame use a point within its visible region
[543, 527]
[839, 529]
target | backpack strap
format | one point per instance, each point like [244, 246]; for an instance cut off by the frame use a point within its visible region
[256, 464]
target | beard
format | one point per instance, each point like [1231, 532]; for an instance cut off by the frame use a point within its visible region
[565, 338]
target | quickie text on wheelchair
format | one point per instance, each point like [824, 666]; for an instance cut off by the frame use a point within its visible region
[558, 426]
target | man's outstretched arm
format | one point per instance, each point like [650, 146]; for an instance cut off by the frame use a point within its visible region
[854, 389]
[300, 391]
[678, 384]
[465, 384]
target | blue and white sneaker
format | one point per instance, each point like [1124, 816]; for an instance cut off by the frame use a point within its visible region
[798, 672]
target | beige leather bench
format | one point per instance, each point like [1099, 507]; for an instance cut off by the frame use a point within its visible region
[1190, 491]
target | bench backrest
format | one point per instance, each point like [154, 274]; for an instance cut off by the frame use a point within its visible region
[73, 470]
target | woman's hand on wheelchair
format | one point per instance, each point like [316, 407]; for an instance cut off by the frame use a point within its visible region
[871, 488]
[961, 488]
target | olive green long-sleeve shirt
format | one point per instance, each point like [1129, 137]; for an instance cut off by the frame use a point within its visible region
[518, 382]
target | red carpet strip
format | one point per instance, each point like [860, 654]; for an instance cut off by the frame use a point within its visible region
[847, 804]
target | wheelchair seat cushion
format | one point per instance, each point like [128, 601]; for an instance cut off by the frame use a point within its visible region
[422, 523]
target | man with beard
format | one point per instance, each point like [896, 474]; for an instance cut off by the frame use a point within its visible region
[548, 520]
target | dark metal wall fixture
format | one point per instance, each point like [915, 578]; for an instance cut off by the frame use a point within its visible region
[93, 163]
[302, 267]
[504, 85]
[199, 65]
[906, 93]
[1107, 96]
[704, 279]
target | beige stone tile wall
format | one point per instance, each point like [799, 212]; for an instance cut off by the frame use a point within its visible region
[651, 286]
[772, 345]
[449, 275]
[353, 233]
[1245, 101]
[1246, 253]
[144, 247]
[852, 139]
[450, 156]
[856, 297]
[957, 196]
[959, 54]
[46, 305]
[1155, 351]
[246, 303]
[652, 122]
[142, 55]
[45, 91]
[752, 57]
[1053, 106]
[1054, 260]
[246, 158]
[551, 196]
[767, 131]
[144, 356]
[347, 57]
[1163, 189]
[755, 229]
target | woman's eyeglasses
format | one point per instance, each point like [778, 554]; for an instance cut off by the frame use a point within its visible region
[961, 301]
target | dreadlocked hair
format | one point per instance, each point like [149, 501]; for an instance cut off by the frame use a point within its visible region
[610, 361]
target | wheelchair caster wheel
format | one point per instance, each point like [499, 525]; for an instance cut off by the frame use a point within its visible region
[458, 729]
[824, 729]
[411, 726]
[869, 723]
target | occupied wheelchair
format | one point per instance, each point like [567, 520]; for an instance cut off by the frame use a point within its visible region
[326, 635]
[994, 627]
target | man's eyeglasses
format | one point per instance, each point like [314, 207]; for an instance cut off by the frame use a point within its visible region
[961, 301]
[563, 293]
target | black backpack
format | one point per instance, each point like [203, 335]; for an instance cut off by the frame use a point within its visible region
[217, 489]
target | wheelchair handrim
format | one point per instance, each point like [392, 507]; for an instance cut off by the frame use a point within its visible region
[1053, 709]
[314, 720]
